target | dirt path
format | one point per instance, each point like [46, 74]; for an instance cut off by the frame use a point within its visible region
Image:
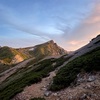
[12, 70]
[35, 90]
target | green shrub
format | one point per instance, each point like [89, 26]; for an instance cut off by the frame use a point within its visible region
[5, 52]
[34, 76]
[66, 75]
[42, 70]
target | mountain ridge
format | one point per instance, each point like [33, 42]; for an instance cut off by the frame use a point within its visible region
[12, 55]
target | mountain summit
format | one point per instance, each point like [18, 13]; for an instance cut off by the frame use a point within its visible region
[49, 48]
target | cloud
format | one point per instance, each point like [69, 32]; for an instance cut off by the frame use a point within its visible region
[70, 38]
[95, 15]
[10, 19]
[86, 30]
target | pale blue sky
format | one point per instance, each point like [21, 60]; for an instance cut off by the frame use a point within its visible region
[29, 22]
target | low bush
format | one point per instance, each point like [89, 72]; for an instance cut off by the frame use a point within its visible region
[66, 75]
[34, 76]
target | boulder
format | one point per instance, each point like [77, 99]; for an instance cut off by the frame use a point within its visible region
[47, 93]
[91, 78]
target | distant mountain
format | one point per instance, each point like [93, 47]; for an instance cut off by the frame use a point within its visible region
[10, 55]
[47, 49]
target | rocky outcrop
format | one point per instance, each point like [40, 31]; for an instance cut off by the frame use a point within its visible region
[17, 59]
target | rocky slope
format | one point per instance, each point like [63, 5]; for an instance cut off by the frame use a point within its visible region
[87, 88]
[94, 43]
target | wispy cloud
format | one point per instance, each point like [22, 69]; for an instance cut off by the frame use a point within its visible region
[9, 18]
[75, 32]
[86, 30]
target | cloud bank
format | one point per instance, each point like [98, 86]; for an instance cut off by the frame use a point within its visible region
[85, 31]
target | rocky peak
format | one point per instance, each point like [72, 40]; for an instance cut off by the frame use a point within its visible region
[51, 41]
[49, 48]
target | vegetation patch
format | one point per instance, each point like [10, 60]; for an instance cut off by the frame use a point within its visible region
[66, 75]
[6, 54]
[4, 67]
[32, 75]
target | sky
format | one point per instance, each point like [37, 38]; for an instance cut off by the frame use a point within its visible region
[70, 23]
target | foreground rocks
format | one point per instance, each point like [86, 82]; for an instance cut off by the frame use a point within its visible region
[85, 87]
[88, 88]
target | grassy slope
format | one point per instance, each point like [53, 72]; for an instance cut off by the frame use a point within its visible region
[33, 76]
[6, 54]
[4, 67]
[28, 76]
[66, 75]
[47, 49]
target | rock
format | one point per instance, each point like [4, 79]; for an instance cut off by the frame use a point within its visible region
[70, 98]
[44, 86]
[80, 80]
[83, 97]
[89, 86]
[55, 94]
[47, 93]
[44, 89]
[54, 64]
[91, 78]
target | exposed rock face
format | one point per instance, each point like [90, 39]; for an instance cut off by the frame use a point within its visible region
[17, 59]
